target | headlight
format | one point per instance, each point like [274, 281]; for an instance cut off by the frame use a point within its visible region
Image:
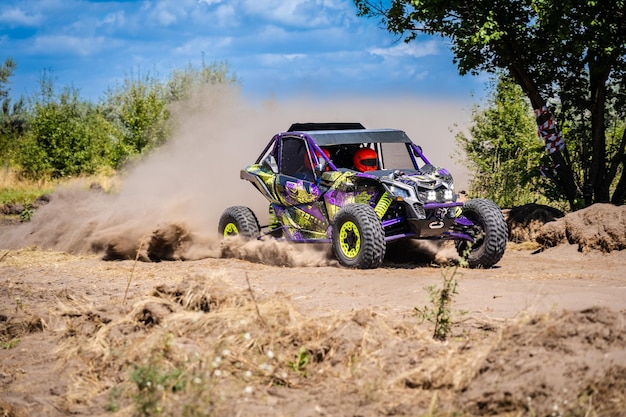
[431, 195]
[448, 194]
[399, 192]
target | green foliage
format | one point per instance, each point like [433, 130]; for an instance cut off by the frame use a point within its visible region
[503, 151]
[62, 135]
[10, 344]
[300, 362]
[151, 381]
[574, 52]
[21, 195]
[68, 136]
[27, 214]
[154, 378]
[140, 106]
[13, 117]
[183, 83]
[138, 109]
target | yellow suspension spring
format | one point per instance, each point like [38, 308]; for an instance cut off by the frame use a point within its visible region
[383, 205]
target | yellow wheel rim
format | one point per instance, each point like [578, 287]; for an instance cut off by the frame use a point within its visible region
[350, 240]
[231, 229]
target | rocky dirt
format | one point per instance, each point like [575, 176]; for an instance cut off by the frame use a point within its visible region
[270, 329]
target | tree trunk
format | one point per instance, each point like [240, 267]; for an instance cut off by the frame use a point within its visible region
[565, 177]
[598, 174]
[619, 194]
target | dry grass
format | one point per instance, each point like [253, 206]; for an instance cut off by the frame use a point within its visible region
[29, 257]
[200, 346]
[523, 246]
[18, 190]
[204, 346]
[15, 189]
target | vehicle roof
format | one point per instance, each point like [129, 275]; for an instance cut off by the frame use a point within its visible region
[306, 127]
[355, 136]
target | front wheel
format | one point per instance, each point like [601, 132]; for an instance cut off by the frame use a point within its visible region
[358, 237]
[490, 234]
[238, 221]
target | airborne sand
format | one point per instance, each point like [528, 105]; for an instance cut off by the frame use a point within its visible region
[195, 176]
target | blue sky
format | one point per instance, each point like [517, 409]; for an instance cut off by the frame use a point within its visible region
[276, 48]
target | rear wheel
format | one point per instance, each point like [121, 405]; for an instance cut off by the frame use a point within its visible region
[358, 237]
[490, 233]
[238, 221]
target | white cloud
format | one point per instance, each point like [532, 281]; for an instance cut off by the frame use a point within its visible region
[167, 12]
[226, 15]
[17, 17]
[414, 49]
[210, 46]
[117, 18]
[276, 60]
[165, 18]
[55, 44]
[303, 13]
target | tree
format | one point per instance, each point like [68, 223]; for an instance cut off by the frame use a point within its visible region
[573, 51]
[13, 117]
[502, 149]
[182, 83]
[67, 137]
[140, 107]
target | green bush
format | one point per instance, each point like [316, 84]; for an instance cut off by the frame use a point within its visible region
[67, 137]
[13, 116]
[502, 150]
[62, 135]
[138, 109]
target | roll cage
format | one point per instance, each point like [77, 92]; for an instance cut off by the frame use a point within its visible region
[302, 153]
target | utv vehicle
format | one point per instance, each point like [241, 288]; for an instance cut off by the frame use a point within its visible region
[316, 194]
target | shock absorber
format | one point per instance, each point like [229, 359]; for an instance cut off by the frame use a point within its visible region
[383, 205]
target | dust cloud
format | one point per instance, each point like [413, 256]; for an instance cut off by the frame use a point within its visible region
[169, 203]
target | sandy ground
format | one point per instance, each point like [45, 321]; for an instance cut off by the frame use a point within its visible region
[43, 290]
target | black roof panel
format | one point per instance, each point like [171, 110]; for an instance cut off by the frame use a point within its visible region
[305, 127]
[346, 137]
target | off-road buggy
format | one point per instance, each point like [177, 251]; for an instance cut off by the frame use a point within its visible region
[316, 195]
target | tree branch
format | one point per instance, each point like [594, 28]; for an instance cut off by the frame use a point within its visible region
[617, 159]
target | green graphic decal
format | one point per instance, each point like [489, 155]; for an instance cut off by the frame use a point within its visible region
[363, 197]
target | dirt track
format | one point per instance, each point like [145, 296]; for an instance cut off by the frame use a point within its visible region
[43, 293]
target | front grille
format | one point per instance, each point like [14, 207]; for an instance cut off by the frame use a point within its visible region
[419, 210]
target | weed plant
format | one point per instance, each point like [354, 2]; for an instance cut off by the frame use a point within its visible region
[440, 312]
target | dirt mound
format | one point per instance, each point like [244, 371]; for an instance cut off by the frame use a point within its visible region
[524, 222]
[17, 209]
[559, 364]
[170, 242]
[600, 226]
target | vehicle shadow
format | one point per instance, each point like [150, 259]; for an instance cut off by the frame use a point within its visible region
[410, 254]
